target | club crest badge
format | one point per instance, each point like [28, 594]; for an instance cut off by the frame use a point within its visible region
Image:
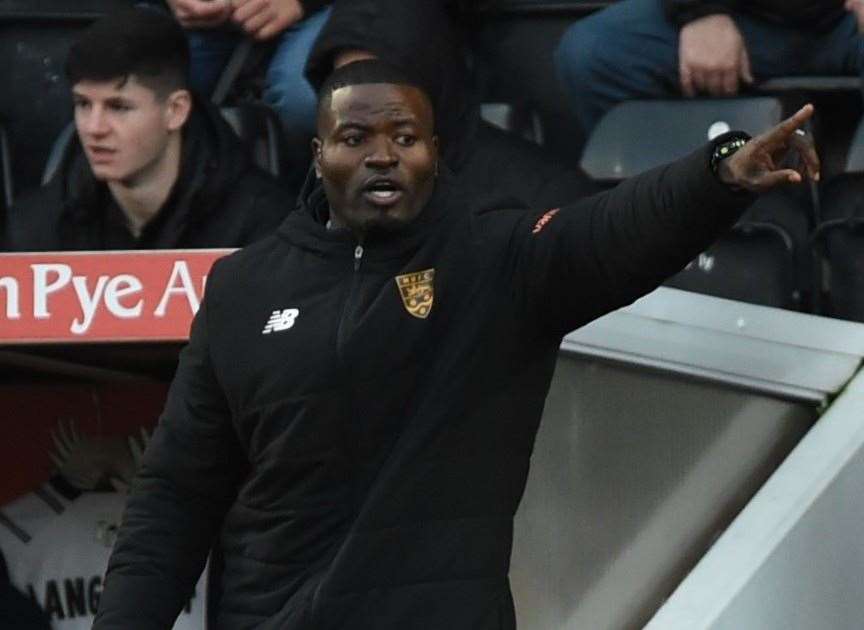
[418, 292]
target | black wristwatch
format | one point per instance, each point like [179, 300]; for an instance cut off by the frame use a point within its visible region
[726, 146]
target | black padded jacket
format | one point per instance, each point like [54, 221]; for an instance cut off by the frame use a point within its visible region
[354, 424]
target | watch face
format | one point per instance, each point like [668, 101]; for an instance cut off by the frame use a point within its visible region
[726, 148]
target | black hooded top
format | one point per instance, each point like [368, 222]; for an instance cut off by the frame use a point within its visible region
[220, 199]
[426, 39]
[353, 424]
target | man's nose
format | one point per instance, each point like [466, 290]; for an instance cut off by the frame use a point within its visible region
[382, 155]
[94, 122]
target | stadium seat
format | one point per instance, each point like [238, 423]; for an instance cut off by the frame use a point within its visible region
[838, 242]
[574, 8]
[259, 126]
[60, 152]
[256, 124]
[6, 180]
[636, 136]
[755, 262]
[6, 188]
[762, 259]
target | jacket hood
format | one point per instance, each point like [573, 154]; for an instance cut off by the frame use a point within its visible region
[423, 40]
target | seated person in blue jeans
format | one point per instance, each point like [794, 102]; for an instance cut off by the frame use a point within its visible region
[215, 27]
[657, 48]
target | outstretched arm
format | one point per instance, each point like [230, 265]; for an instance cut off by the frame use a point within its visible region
[188, 479]
[574, 264]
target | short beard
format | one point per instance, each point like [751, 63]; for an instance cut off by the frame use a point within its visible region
[382, 226]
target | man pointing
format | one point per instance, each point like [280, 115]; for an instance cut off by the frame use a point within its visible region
[359, 465]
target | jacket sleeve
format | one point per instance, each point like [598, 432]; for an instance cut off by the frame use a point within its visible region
[680, 12]
[581, 261]
[187, 481]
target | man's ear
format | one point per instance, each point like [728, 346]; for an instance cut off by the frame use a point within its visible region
[178, 106]
[316, 156]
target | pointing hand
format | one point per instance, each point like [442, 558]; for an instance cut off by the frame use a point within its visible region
[757, 165]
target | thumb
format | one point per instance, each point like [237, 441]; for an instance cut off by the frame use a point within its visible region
[777, 178]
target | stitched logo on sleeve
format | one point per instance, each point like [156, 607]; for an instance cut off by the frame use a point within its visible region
[281, 320]
[417, 291]
[542, 221]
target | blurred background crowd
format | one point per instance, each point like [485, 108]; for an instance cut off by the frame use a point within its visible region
[539, 103]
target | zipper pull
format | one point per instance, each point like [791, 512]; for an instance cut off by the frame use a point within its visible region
[358, 256]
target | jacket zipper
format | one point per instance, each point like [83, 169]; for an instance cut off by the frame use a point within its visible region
[342, 331]
[358, 257]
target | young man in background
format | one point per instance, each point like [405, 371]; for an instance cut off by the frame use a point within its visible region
[152, 166]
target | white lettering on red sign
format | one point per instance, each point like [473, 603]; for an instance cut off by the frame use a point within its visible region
[120, 287]
[186, 287]
[42, 288]
[13, 299]
[57, 295]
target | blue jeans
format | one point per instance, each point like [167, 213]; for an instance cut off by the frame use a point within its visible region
[286, 89]
[630, 50]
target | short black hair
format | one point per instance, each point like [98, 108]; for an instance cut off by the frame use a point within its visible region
[364, 72]
[146, 43]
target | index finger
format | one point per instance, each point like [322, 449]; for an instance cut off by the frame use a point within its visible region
[780, 133]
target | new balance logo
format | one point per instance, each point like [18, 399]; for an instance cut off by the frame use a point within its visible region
[281, 320]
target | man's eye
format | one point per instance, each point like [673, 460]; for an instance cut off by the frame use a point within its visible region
[406, 140]
[120, 107]
[353, 141]
[80, 104]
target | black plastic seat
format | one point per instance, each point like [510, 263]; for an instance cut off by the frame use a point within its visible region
[6, 179]
[760, 259]
[257, 126]
[545, 8]
[755, 262]
[838, 242]
[636, 136]
[764, 259]
[6, 186]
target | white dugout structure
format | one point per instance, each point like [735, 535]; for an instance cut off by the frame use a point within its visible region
[700, 464]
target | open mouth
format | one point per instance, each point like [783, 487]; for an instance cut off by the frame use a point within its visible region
[100, 154]
[382, 192]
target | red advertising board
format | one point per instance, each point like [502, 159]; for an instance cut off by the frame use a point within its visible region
[101, 296]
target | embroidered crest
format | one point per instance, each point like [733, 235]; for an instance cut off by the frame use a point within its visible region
[418, 292]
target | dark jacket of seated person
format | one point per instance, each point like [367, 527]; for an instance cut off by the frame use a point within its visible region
[220, 199]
